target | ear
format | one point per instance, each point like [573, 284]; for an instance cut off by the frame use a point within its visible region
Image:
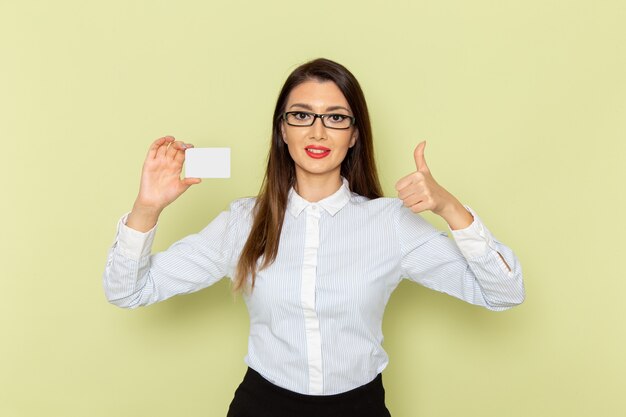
[354, 138]
[282, 131]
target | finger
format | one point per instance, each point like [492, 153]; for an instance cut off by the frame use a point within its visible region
[419, 207]
[174, 148]
[404, 181]
[180, 155]
[152, 151]
[418, 155]
[407, 191]
[191, 181]
[413, 179]
[413, 199]
[163, 148]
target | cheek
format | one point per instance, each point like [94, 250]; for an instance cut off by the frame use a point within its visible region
[292, 149]
[341, 155]
[292, 138]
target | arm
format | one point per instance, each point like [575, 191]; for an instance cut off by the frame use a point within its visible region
[478, 269]
[475, 267]
[474, 238]
[134, 277]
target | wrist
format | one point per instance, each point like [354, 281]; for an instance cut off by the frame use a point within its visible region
[143, 218]
[146, 210]
[456, 215]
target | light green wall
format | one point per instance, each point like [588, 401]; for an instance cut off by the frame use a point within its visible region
[523, 105]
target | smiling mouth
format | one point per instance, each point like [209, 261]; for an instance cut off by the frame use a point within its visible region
[317, 152]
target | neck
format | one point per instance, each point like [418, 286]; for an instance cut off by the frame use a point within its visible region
[315, 188]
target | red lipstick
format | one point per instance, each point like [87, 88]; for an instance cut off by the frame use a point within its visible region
[316, 151]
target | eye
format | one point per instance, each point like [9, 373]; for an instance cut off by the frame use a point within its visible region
[337, 117]
[301, 115]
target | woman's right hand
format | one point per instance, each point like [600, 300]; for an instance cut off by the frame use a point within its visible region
[160, 176]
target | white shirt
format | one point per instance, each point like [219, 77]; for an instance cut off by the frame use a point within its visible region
[316, 312]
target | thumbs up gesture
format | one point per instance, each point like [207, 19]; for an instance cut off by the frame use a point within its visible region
[419, 191]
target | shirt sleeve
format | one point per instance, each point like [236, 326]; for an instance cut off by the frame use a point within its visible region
[468, 267]
[134, 277]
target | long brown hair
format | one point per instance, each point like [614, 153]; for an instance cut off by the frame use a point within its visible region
[358, 167]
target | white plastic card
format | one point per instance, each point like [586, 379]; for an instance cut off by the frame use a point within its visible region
[207, 163]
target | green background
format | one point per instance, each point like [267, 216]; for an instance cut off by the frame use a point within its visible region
[522, 104]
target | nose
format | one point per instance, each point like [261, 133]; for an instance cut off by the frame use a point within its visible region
[318, 130]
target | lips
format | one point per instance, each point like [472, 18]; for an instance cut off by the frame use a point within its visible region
[316, 151]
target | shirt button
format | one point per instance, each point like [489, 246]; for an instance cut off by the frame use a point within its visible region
[314, 207]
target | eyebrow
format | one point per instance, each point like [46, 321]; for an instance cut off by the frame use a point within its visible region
[330, 108]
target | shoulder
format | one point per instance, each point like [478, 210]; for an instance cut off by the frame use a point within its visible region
[375, 212]
[381, 204]
[242, 204]
[242, 208]
[393, 210]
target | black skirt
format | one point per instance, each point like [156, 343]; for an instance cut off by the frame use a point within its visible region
[257, 397]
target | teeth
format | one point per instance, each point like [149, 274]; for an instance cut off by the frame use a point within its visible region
[316, 150]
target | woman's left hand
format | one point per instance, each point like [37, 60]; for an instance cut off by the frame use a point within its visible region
[420, 192]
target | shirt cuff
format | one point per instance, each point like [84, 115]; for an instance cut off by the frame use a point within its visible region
[132, 243]
[475, 240]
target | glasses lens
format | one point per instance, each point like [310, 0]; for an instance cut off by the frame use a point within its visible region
[299, 119]
[337, 121]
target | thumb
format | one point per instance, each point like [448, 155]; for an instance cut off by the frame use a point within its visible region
[418, 154]
[188, 182]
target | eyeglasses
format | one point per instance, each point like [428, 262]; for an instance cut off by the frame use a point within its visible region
[332, 121]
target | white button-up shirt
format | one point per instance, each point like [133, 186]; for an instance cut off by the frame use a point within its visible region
[316, 312]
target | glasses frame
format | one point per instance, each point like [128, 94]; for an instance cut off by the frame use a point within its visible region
[322, 117]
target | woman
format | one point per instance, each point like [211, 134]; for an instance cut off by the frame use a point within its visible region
[316, 255]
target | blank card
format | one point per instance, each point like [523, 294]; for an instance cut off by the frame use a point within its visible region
[207, 163]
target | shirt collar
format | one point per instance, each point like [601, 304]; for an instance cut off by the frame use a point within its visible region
[332, 204]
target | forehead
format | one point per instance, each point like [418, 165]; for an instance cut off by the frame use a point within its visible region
[317, 94]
